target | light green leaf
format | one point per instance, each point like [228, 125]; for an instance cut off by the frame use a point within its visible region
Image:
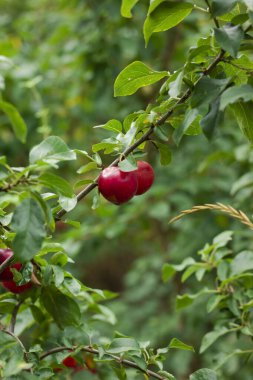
[165, 16]
[236, 93]
[112, 125]
[204, 374]
[28, 223]
[87, 168]
[17, 122]
[168, 271]
[120, 345]
[229, 38]
[51, 150]
[211, 337]
[245, 181]
[243, 112]
[135, 76]
[242, 262]
[176, 343]
[126, 7]
[128, 165]
[249, 4]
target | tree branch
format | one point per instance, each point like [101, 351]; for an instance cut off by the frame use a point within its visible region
[124, 362]
[14, 316]
[146, 135]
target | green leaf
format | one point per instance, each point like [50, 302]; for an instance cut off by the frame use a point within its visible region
[87, 168]
[126, 7]
[249, 4]
[51, 150]
[29, 224]
[211, 120]
[17, 122]
[153, 5]
[211, 337]
[190, 117]
[236, 93]
[176, 343]
[168, 271]
[242, 262]
[165, 16]
[207, 90]
[245, 181]
[112, 125]
[135, 76]
[204, 374]
[165, 153]
[175, 86]
[229, 38]
[128, 165]
[57, 183]
[64, 310]
[120, 345]
[243, 112]
[220, 7]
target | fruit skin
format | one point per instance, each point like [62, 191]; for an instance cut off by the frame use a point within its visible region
[7, 275]
[70, 362]
[117, 186]
[145, 177]
[14, 288]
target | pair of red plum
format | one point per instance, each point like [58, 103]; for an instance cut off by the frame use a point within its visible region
[116, 186]
[119, 187]
[6, 277]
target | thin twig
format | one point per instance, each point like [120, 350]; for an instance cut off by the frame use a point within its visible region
[14, 316]
[147, 134]
[211, 13]
[18, 340]
[238, 214]
[125, 362]
[6, 263]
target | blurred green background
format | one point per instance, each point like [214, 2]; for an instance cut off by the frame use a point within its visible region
[66, 55]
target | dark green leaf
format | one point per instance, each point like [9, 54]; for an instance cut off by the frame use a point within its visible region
[165, 153]
[207, 90]
[211, 337]
[211, 120]
[64, 310]
[229, 38]
[220, 7]
[28, 223]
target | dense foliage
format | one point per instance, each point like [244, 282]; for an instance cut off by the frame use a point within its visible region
[193, 123]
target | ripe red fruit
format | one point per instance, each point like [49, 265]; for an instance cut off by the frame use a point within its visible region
[14, 288]
[7, 275]
[70, 362]
[145, 177]
[117, 186]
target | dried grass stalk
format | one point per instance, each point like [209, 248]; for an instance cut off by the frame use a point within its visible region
[238, 214]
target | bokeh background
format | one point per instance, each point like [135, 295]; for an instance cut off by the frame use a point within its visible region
[66, 55]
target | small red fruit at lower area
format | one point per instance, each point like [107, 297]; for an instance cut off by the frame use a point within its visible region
[14, 288]
[145, 177]
[117, 186]
[70, 362]
[7, 275]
